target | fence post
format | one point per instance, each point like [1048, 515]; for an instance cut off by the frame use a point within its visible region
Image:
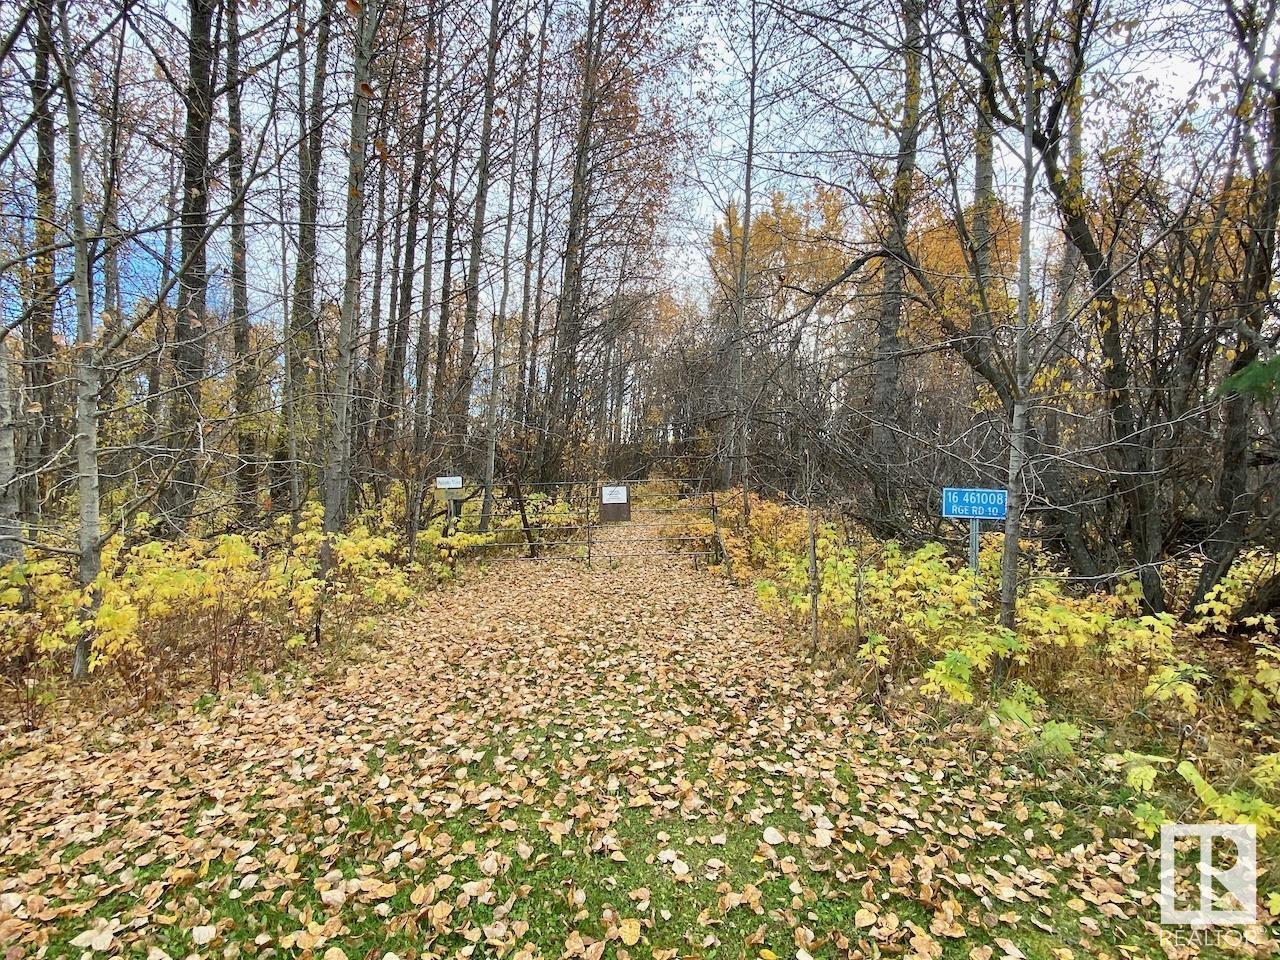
[813, 583]
[724, 551]
[589, 527]
[813, 554]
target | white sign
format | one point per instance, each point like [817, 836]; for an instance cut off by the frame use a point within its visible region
[1239, 881]
[448, 483]
[613, 494]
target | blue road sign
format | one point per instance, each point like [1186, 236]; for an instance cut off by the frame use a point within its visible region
[966, 503]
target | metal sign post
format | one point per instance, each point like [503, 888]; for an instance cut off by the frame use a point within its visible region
[974, 504]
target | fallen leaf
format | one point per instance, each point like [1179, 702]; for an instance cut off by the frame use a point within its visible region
[629, 930]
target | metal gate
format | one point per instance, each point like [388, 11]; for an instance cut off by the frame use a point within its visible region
[562, 521]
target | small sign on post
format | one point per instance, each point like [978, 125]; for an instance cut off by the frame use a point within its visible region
[451, 487]
[615, 503]
[975, 505]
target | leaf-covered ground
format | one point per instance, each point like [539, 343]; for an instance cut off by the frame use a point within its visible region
[549, 760]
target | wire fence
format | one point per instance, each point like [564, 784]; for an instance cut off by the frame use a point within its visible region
[570, 520]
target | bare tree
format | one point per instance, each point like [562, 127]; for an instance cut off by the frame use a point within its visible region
[337, 464]
[189, 333]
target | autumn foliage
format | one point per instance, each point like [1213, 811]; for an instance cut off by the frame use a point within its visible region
[916, 622]
[214, 605]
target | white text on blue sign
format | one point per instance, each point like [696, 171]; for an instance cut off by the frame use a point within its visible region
[974, 503]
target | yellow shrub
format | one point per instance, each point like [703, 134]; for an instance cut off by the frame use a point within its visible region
[159, 606]
[1222, 604]
[38, 599]
[924, 611]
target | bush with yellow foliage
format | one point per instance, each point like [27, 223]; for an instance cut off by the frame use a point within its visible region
[163, 608]
[896, 612]
[921, 620]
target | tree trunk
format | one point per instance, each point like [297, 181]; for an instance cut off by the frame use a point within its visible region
[10, 525]
[1066, 514]
[1265, 599]
[523, 361]
[885, 396]
[398, 342]
[379, 403]
[286, 448]
[471, 316]
[86, 367]
[1233, 500]
[189, 326]
[38, 341]
[365, 405]
[1019, 465]
[439, 408]
[1126, 452]
[338, 453]
[984, 196]
[112, 236]
[539, 299]
[500, 319]
[741, 280]
[422, 351]
[305, 333]
[242, 390]
[155, 366]
[416, 484]
[568, 319]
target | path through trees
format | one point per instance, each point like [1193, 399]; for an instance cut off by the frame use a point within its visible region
[552, 759]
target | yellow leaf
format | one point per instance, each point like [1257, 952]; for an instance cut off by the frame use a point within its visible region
[629, 929]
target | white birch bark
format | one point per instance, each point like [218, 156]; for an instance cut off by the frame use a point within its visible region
[86, 367]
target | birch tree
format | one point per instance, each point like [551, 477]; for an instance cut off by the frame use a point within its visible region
[86, 363]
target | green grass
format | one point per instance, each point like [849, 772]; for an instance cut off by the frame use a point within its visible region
[559, 888]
